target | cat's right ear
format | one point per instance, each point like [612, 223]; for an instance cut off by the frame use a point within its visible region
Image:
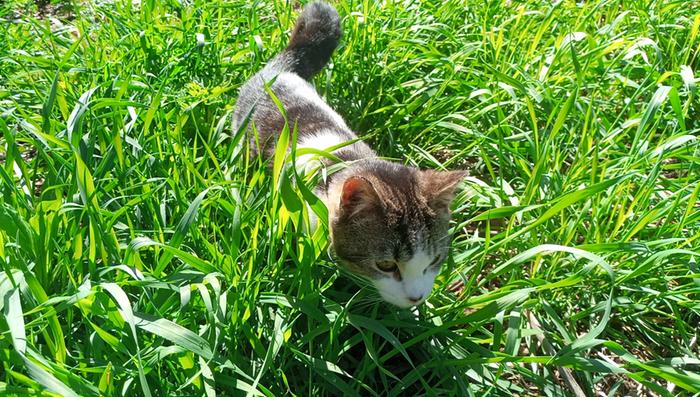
[439, 188]
[358, 195]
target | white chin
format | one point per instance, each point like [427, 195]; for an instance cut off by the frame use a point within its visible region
[396, 301]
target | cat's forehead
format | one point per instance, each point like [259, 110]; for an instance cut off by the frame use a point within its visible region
[412, 231]
[408, 213]
[404, 201]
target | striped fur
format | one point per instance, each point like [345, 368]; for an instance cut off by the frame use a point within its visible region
[388, 222]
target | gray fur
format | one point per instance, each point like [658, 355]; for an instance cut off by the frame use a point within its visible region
[379, 211]
[400, 223]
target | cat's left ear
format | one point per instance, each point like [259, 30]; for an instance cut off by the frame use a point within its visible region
[358, 195]
[439, 187]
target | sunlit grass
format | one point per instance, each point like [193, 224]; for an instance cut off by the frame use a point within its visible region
[144, 252]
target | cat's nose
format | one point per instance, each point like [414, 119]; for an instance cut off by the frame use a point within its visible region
[415, 299]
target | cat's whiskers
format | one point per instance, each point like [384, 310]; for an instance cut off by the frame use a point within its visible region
[367, 301]
[360, 280]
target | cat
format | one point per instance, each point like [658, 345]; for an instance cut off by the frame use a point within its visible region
[388, 222]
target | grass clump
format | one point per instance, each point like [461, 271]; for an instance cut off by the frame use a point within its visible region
[144, 252]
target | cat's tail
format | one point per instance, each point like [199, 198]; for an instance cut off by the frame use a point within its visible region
[316, 35]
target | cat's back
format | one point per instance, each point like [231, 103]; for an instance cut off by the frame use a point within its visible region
[286, 78]
[301, 104]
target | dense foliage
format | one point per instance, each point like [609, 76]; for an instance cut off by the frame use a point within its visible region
[143, 252]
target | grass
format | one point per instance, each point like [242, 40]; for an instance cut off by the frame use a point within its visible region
[144, 253]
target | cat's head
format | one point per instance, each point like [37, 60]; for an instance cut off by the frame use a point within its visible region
[390, 225]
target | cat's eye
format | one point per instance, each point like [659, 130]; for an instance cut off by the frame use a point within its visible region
[434, 263]
[387, 266]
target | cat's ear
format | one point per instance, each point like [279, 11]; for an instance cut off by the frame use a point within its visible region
[439, 187]
[358, 195]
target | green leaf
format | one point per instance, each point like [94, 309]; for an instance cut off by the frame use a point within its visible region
[174, 333]
[128, 315]
[181, 231]
[15, 320]
[378, 328]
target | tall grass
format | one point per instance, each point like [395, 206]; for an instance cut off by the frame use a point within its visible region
[144, 252]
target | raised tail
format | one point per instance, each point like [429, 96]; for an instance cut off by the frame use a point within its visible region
[316, 35]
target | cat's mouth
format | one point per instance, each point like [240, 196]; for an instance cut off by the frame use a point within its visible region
[389, 289]
[402, 302]
[377, 283]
